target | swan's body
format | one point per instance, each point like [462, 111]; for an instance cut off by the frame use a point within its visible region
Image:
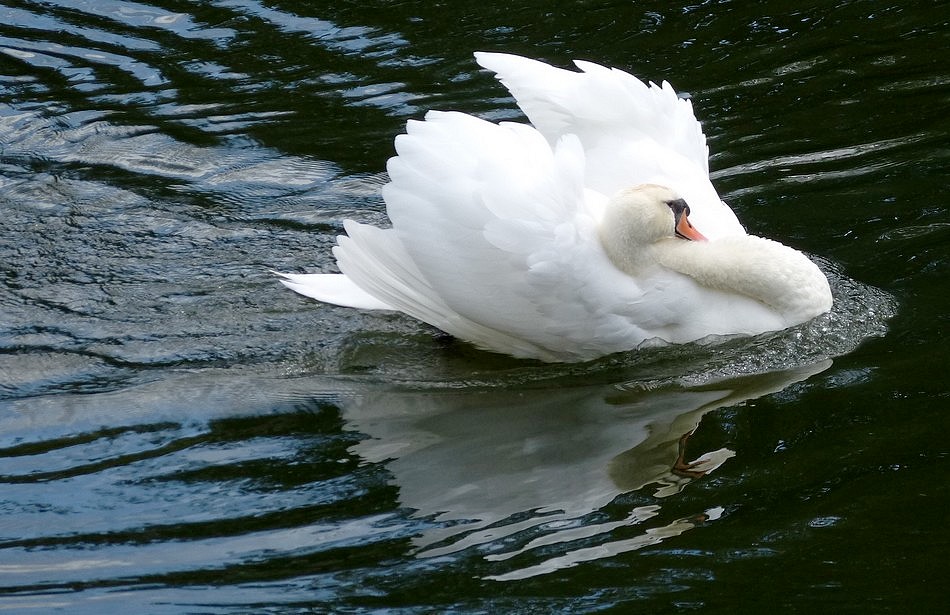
[557, 241]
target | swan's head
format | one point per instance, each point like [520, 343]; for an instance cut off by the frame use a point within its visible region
[640, 217]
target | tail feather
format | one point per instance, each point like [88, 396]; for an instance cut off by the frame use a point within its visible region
[333, 288]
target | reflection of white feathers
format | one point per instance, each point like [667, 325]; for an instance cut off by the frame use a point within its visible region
[499, 231]
[500, 461]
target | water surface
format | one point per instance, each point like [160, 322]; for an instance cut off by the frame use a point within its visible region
[178, 433]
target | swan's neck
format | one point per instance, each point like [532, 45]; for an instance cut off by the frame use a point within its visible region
[777, 276]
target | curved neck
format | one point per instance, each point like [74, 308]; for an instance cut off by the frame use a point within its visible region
[769, 272]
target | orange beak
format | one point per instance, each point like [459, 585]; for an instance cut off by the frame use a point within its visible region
[686, 230]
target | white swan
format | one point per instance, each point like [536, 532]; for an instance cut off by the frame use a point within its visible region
[565, 241]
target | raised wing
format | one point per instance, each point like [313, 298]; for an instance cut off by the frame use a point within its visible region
[599, 103]
[632, 132]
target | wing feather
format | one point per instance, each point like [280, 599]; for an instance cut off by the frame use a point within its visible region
[631, 131]
[499, 230]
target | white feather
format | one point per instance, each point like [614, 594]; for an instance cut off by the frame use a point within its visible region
[632, 132]
[497, 236]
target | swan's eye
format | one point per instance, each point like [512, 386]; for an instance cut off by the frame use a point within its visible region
[679, 207]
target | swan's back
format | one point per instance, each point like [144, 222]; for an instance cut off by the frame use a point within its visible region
[494, 241]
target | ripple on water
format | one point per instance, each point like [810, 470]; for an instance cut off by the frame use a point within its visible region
[172, 420]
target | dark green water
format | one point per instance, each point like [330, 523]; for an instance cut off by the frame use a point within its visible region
[179, 434]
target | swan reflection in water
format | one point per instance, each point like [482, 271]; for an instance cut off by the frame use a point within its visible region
[488, 464]
[501, 468]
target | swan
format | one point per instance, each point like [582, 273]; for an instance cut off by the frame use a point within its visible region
[593, 230]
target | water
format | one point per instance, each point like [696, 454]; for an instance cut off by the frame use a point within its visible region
[178, 433]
